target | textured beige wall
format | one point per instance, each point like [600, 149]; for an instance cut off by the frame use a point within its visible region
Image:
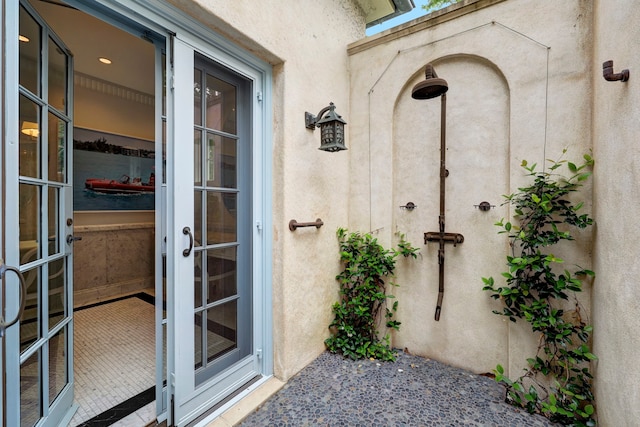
[495, 60]
[616, 127]
[306, 43]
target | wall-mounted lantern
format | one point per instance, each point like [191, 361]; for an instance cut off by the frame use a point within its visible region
[331, 127]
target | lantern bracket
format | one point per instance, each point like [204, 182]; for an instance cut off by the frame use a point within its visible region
[311, 121]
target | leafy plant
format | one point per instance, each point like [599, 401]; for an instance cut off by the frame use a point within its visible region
[432, 5]
[363, 296]
[557, 382]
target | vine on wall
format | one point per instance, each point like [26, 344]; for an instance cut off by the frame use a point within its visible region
[557, 382]
[368, 268]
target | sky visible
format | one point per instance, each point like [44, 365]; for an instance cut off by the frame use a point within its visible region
[415, 13]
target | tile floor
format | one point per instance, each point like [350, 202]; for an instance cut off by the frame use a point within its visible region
[114, 355]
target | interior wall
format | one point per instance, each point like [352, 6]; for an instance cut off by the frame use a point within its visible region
[519, 90]
[616, 127]
[116, 254]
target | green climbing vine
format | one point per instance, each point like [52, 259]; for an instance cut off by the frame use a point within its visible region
[557, 382]
[363, 295]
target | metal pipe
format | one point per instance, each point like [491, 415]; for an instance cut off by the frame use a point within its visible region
[443, 175]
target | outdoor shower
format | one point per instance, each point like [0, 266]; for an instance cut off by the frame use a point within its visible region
[433, 87]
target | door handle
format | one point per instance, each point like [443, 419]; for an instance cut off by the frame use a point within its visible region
[23, 293]
[187, 231]
[71, 238]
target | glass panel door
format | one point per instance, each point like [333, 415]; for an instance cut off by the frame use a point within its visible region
[212, 274]
[39, 172]
[222, 306]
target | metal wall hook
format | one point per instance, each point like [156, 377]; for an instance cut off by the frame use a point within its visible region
[610, 76]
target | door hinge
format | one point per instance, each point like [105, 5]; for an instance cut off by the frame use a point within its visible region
[259, 96]
[259, 353]
[259, 226]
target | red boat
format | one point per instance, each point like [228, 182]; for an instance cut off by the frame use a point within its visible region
[122, 186]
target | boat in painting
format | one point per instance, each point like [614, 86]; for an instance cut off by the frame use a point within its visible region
[124, 185]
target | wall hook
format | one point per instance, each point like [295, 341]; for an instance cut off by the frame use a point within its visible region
[610, 76]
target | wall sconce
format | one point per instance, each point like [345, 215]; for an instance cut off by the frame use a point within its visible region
[331, 128]
[30, 128]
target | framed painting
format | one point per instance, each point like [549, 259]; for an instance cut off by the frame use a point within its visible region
[112, 172]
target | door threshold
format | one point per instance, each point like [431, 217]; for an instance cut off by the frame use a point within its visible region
[70, 413]
[243, 404]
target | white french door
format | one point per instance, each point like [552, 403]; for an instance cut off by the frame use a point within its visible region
[211, 220]
[38, 222]
[213, 239]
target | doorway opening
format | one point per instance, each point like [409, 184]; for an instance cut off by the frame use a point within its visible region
[114, 133]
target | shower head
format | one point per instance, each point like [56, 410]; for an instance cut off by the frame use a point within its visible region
[431, 87]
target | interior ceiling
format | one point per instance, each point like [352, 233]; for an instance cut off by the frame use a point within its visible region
[88, 38]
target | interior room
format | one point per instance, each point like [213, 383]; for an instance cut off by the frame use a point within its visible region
[113, 192]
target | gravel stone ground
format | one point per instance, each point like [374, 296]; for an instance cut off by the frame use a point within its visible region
[413, 391]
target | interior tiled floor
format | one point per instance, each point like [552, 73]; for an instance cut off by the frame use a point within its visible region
[114, 358]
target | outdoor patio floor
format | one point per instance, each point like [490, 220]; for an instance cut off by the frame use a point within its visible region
[413, 391]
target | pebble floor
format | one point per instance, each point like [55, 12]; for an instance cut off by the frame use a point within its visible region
[413, 391]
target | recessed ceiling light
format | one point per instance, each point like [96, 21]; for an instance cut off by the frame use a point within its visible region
[23, 38]
[104, 60]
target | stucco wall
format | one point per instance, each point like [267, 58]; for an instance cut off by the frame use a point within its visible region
[519, 88]
[616, 126]
[306, 43]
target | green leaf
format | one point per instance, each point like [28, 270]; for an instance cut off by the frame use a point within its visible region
[500, 369]
[572, 167]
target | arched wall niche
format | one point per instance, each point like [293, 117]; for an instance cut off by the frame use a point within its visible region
[477, 158]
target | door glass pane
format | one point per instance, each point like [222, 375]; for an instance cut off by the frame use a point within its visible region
[221, 273]
[57, 153]
[54, 238]
[221, 329]
[197, 98]
[221, 105]
[221, 217]
[197, 218]
[164, 84]
[29, 52]
[30, 405]
[197, 157]
[197, 332]
[57, 363]
[221, 161]
[57, 300]
[197, 276]
[29, 138]
[30, 319]
[57, 76]
[29, 222]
